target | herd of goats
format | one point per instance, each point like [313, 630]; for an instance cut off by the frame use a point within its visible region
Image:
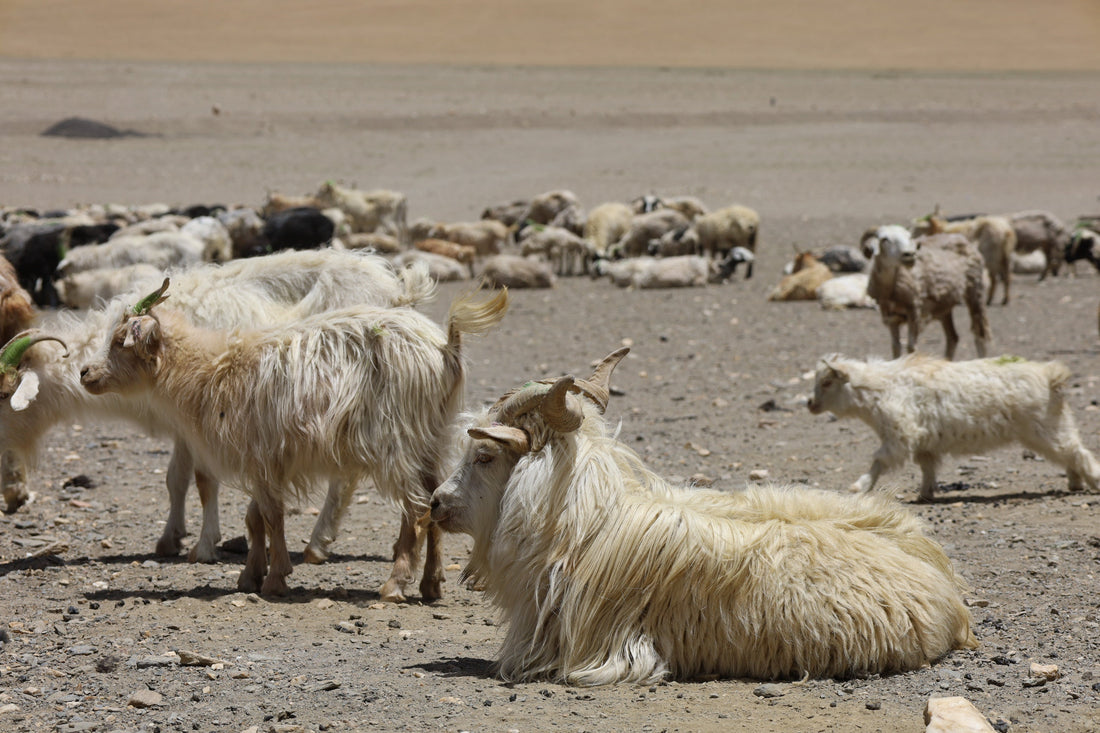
[291, 353]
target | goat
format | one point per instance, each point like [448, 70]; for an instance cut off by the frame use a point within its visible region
[914, 281]
[924, 408]
[607, 573]
[342, 395]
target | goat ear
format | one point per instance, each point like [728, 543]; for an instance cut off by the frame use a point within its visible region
[513, 438]
[839, 371]
[26, 391]
[142, 334]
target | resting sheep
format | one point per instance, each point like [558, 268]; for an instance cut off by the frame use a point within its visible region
[161, 249]
[514, 271]
[1041, 230]
[845, 291]
[343, 395]
[646, 228]
[440, 268]
[924, 408]
[605, 225]
[567, 252]
[807, 275]
[487, 236]
[460, 253]
[916, 281]
[607, 573]
[723, 229]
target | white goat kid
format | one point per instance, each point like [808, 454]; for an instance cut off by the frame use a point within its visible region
[344, 395]
[606, 573]
[924, 408]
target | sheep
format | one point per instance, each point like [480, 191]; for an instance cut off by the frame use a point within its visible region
[807, 275]
[605, 225]
[843, 259]
[1044, 231]
[487, 236]
[723, 229]
[916, 281]
[277, 288]
[845, 291]
[457, 252]
[683, 271]
[160, 249]
[440, 268]
[367, 211]
[276, 202]
[91, 287]
[341, 395]
[542, 209]
[923, 408]
[381, 243]
[509, 214]
[514, 271]
[689, 206]
[1084, 244]
[645, 228]
[607, 573]
[565, 250]
[675, 242]
[994, 237]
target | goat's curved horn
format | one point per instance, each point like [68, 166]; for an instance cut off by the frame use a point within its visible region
[14, 350]
[523, 401]
[157, 296]
[560, 410]
[597, 387]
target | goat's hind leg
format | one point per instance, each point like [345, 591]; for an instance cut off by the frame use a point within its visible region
[328, 522]
[255, 566]
[13, 479]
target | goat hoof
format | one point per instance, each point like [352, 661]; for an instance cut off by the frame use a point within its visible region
[431, 590]
[314, 556]
[247, 582]
[392, 592]
[202, 554]
[274, 585]
[168, 546]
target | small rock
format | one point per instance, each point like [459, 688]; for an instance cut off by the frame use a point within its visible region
[193, 659]
[1048, 672]
[758, 474]
[874, 705]
[325, 603]
[768, 691]
[393, 623]
[145, 699]
[954, 715]
[150, 662]
[347, 627]
[451, 701]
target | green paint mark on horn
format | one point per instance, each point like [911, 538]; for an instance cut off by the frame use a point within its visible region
[14, 350]
[157, 296]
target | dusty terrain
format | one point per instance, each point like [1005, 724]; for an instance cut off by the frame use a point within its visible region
[715, 383]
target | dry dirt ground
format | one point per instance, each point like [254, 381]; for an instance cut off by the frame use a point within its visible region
[715, 384]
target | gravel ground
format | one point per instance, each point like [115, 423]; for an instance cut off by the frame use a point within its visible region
[95, 627]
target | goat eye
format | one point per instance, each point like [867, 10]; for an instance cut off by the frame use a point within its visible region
[483, 458]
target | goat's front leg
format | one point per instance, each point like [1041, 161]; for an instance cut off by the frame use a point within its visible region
[405, 551]
[206, 549]
[13, 480]
[177, 481]
[951, 336]
[927, 463]
[255, 565]
[913, 333]
[895, 338]
[328, 522]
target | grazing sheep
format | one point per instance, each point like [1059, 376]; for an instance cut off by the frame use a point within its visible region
[994, 237]
[567, 252]
[605, 225]
[607, 573]
[440, 268]
[924, 408]
[487, 236]
[514, 271]
[646, 228]
[845, 291]
[917, 281]
[807, 275]
[509, 214]
[160, 249]
[95, 287]
[723, 229]
[277, 288]
[1041, 230]
[343, 395]
[367, 211]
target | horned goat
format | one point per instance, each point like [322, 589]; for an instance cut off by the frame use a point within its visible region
[276, 288]
[343, 395]
[607, 573]
[924, 408]
[914, 281]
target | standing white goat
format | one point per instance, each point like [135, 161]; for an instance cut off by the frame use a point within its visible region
[272, 289]
[343, 395]
[606, 573]
[924, 408]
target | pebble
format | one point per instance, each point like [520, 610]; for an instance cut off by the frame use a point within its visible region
[145, 699]
[768, 691]
[954, 715]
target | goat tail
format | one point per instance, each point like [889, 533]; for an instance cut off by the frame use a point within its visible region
[470, 314]
[419, 287]
[1058, 374]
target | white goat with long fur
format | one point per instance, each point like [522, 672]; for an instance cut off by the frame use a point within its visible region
[276, 288]
[606, 573]
[924, 408]
[917, 280]
[343, 395]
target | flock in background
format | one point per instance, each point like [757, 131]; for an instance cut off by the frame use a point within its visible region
[290, 355]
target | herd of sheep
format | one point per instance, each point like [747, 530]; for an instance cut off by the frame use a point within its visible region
[290, 355]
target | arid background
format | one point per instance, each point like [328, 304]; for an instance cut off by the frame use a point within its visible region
[826, 118]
